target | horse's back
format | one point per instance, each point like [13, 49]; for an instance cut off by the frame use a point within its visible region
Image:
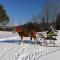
[19, 29]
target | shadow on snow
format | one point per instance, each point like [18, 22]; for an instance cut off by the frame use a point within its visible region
[17, 41]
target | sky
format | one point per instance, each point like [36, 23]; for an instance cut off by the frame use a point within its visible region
[21, 11]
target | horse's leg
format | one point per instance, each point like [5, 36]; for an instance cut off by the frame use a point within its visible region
[31, 38]
[21, 38]
[35, 39]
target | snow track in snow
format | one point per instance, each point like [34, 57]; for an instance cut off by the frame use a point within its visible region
[36, 54]
[9, 51]
[30, 52]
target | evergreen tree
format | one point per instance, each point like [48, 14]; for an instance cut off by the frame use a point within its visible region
[4, 19]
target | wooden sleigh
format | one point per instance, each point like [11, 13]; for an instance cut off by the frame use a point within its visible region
[47, 41]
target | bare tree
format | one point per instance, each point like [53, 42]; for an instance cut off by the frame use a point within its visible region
[49, 11]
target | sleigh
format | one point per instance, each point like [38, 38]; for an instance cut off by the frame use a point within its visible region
[45, 40]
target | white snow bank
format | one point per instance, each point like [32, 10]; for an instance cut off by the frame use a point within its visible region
[5, 34]
[26, 51]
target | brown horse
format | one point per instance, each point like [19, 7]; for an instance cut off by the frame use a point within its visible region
[25, 33]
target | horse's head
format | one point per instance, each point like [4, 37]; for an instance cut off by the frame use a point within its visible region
[18, 29]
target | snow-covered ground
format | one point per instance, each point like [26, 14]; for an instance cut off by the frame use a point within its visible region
[11, 49]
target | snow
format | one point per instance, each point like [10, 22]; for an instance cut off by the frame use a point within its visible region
[12, 49]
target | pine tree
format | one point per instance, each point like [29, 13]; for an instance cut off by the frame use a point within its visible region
[4, 19]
